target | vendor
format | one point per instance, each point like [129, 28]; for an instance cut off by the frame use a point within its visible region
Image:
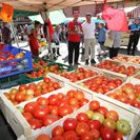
[33, 40]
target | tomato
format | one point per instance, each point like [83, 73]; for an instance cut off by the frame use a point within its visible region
[83, 102]
[70, 124]
[57, 138]
[117, 136]
[74, 107]
[29, 107]
[79, 95]
[22, 87]
[94, 124]
[103, 110]
[32, 86]
[47, 80]
[35, 123]
[110, 123]
[111, 86]
[53, 100]
[20, 96]
[64, 110]
[71, 93]
[118, 82]
[112, 115]
[63, 102]
[106, 133]
[87, 136]
[82, 117]
[70, 135]
[95, 134]
[49, 119]
[57, 131]
[40, 112]
[42, 101]
[38, 93]
[81, 128]
[54, 110]
[94, 105]
[60, 95]
[56, 85]
[27, 115]
[43, 137]
[73, 101]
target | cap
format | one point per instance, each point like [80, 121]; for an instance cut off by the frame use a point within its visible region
[88, 14]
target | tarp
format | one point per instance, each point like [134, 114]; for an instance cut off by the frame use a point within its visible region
[38, 5]
[56, 17]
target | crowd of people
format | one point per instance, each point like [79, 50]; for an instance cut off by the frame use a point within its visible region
[88, 33]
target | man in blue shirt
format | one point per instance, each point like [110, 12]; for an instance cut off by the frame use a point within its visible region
[134, 36]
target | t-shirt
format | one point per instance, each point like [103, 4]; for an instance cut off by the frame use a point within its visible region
[74, 26]
[89, 30]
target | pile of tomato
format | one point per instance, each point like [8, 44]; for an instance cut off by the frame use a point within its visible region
[95, 124]
[44, 111]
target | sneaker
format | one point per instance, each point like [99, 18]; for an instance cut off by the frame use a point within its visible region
[86, 62]
[93, 61]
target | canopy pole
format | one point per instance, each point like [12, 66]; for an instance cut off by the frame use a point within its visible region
[15, 37]
[44, 15]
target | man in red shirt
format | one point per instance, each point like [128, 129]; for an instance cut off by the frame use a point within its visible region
[74, 38]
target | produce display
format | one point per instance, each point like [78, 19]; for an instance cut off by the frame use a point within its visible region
[30, 91]
[44, 70]
[40, 64]
[122, 58]
[128, 93]
[96, 123]
[112, 66]
[79, 74]
[46, 110]
[101, 84]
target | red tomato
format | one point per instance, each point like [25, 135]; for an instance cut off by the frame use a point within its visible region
[70, 135]
[60, 95]
[58, 138]
[95, 134]
[49, 119]
[35, 123]
[64, 110]
[81, 128]
[73, 101]
[42, 101]
[103, 110]
[29, 107]
[74, 107]
[87, 136]
[47, 80]
[22, 87]
[94, 105]
[20, 96]
[27, 115]
[79, 95]
[57, 131]
[117, 136]
[43, 137]
[84, 101]
[54, 110]
[82, 117]
[112, 115]
[106, 133]
[53, 100]
[56, 85]
[40, 112]
[70, 124]
[71, 93]
[112, 85]
[94, 124]
[118, 82]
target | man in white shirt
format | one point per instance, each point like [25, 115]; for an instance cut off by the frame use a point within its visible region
[89, 39]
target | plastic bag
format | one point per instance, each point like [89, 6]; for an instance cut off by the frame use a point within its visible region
[115, 18]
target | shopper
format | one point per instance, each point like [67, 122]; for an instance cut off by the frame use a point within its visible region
[74, 38]
[33, 39]
[6, 34]
[134, 36]
[56, 40]
[89, 39]
[114, 49]
[102, 38]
